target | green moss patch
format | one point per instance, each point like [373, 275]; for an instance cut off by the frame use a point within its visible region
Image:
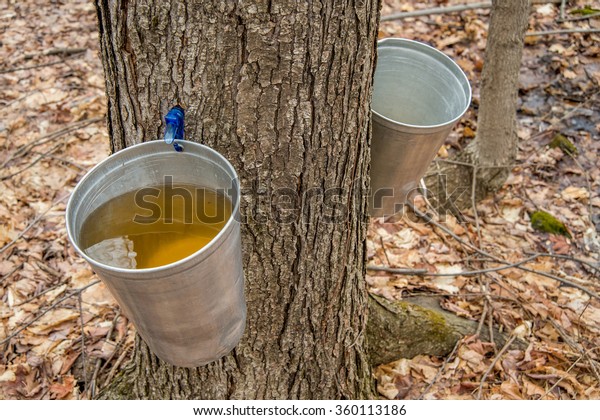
[561, 142]
[545, 222]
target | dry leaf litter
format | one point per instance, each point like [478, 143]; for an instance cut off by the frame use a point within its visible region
[63, 336]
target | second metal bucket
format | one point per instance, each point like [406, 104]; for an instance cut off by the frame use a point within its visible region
[419, 93]
[192, 311]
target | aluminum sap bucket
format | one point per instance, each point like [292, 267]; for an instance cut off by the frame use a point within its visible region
[190, 312]
[419, 93]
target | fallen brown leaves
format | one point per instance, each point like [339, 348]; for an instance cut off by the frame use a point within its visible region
[559, 92]
[61, 335]
[57, 324]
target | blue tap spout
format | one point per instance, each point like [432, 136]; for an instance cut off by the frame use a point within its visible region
[174, 127]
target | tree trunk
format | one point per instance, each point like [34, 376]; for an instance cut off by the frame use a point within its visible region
[282, 89]
[495, 147]
[494, 150]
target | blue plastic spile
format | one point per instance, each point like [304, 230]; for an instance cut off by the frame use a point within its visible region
[174, 130]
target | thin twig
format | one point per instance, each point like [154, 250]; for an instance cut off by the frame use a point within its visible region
[387, 258]
[562, 8]
[92, 388]
[564, 31]
[448, 9]
[33, 223]
[113, 370]
[37, 66]
[574, 18]
[425, 273]
[43, 292]
[491, 324]
[566, 257]
[404, 271]
[561, 378]
[497, 259]
[474, 205]
[21, 150]
[575, 347]
[114, 352]
[56, 51]
[470, 165]
[589, 186]
[63, 160]
[54, 305]
[32, 164]
[21, 98]
[489, 369]
[15, 269]
[436, 11]
[483, 316]
[563, 281]
[81, 324]
[441, 369]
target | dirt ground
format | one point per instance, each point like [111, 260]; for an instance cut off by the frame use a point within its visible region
[62, 336]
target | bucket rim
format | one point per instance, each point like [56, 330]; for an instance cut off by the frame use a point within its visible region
[444, 60]
[137, 272]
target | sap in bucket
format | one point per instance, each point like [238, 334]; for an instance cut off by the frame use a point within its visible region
[161, 229]
[418, 95]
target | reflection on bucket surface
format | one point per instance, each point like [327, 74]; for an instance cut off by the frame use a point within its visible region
[154, 226]
[418, 95]
[191, 311]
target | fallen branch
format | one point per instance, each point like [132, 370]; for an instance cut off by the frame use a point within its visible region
[567, 257]
[563, 31]
[37, 66]
[417, 325]
[574, 18]
[404, 271]
[437, 11]
[425, 273]
[56, 51]
[449, 9]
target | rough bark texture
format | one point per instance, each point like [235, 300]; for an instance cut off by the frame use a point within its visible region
[494, 149]
[282, 89]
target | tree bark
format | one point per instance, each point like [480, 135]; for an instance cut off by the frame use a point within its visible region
[282, 89]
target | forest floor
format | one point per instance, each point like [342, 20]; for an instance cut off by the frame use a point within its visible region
[62, 335]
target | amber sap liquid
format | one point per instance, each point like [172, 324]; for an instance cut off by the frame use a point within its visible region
[154, 226]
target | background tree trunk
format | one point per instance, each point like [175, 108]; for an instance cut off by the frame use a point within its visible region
[494, 149]
[496, 141]
[282, 89]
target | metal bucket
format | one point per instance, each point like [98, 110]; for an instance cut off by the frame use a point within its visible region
[419, 93]
[190, 312]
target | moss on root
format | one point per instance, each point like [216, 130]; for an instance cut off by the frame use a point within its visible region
[403, 330]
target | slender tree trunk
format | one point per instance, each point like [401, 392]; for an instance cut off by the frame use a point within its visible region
[282, 89]
[494, 150]
[495, 147]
